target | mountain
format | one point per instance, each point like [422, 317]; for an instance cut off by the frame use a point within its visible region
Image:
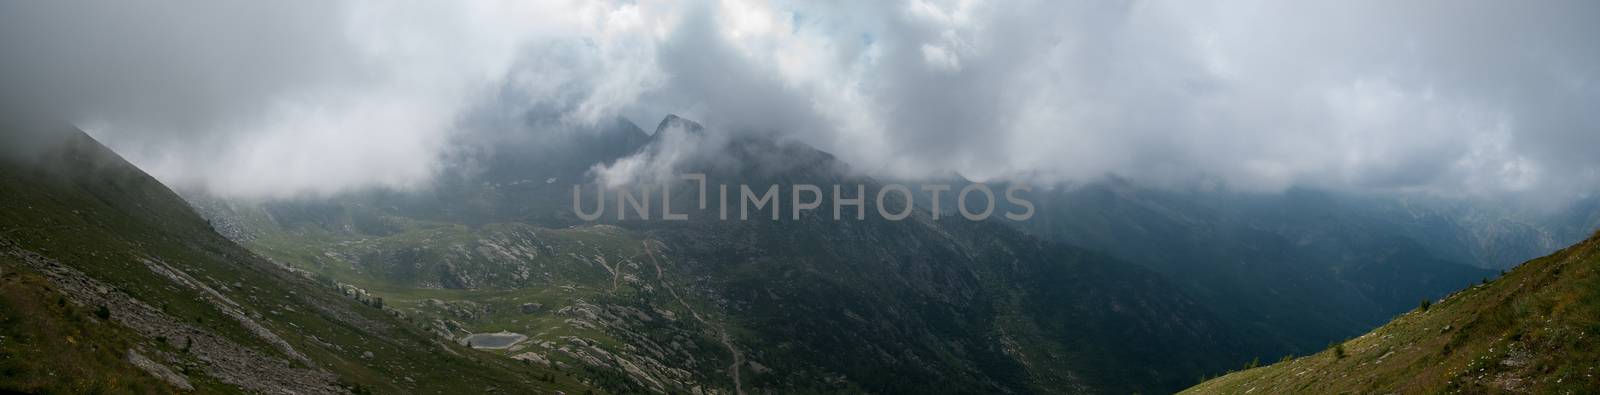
[110, 283]
[1304, 267]
[1526, 332]
[703, 305]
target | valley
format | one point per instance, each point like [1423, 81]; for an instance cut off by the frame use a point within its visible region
[500, 277]
[741, 305]
[758, 197]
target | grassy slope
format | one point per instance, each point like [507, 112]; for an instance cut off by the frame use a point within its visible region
[70, 352]
[1532, 330]
[88, 209]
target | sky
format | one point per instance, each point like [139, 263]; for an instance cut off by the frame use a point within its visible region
[293, 99]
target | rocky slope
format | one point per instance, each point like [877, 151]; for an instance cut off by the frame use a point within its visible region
[109, 282]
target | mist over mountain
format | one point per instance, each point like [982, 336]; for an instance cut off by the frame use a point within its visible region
[341, 96]
[551, 196]
[112, 283]
[800, 304]
[1280, 274]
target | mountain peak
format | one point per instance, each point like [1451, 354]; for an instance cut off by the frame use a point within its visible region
[674, 121]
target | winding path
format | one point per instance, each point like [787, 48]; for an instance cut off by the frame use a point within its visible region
[738, 358]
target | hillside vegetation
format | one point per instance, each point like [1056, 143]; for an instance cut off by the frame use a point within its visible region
[110, 283]
[1531, 331]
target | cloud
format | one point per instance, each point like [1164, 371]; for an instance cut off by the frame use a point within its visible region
[1445, 97]
[279, 100]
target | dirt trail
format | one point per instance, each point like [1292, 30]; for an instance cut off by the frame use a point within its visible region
[738, 358]
[616, 272]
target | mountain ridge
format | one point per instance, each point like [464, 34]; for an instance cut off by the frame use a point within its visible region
[123, 288]
[808, 304]
[1530, 331]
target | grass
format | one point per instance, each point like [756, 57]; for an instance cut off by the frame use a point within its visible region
[1532, 330]
[70, 351]
[89, 210]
